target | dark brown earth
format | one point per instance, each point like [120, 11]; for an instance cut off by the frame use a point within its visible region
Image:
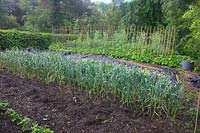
[70, 110]
[7, 126]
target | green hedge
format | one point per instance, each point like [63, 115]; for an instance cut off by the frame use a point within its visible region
[22, 39]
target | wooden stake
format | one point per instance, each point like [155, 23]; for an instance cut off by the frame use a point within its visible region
[146, 38]
[174, 40]
[167, 42]
[170, 40]
[158, 31]
[196, 122]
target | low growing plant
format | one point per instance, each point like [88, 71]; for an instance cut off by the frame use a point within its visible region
[131, 54]
[24, 122]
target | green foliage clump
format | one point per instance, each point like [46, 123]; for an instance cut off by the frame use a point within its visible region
[191, 43]
[14, 38]
[122, 52]
[143, 90]
[3, 105]
[172, 60]
[25, 123]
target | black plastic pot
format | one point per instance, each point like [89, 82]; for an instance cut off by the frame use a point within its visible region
[195, 81]
[186, 65]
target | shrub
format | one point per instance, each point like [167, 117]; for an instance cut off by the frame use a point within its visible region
[190, 44]
[14, 38]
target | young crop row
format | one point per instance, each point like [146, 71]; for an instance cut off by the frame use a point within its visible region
[141, 90]
[25, 123]
[140, 46]
[121, 51]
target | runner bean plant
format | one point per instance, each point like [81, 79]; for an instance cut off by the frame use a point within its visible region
[141, 90]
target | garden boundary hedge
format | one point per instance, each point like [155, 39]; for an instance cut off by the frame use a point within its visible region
[24, 39]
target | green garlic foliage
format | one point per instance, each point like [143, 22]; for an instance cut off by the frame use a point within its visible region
[142, 90]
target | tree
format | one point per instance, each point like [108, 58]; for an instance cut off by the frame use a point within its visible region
[129, 14]
[42, 15]
[38, 20]
[191, 42]
[57, 16]
[15, 10]
[149, 12]
[28, 5]
[143, 12]
[6, 20]
[174, 9]
[2, 13]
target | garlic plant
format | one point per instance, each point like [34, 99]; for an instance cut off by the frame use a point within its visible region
[155, 94]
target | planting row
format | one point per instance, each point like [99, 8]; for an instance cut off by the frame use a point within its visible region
[142, 90]
[172, 74]
[25, 123]
[121, 51]
[139, 46]
[116, 46]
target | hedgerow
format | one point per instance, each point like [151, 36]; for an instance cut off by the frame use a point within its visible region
[22, 39]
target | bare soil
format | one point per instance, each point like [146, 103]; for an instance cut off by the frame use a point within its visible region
[66, 109]
[7, 126]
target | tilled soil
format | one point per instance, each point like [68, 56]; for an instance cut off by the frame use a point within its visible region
[70, 110]
[7, 126]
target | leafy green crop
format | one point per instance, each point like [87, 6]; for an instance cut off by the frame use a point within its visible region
[24, 122]
[3, 105]
[117, 46]
[131, 54]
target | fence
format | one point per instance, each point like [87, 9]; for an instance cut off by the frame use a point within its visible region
[155, 40]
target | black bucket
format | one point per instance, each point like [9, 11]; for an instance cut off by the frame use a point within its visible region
[186, 65]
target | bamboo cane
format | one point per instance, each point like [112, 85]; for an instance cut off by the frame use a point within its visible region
[196, 122]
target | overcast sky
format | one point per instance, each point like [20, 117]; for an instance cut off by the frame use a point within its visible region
[105, 1]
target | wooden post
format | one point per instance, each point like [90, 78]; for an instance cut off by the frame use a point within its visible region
[197, 114]
[167, 42]
[160, 37]
[174, 40]
[146, 38]
[164, 39]
[135, 33]
[170, 40]
[150, 40]
[140, 34]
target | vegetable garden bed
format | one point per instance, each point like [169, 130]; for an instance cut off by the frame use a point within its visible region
[143, 90]
[25, 125]
[156, 69]
[144, 96]
[7, 126]
[67, 109]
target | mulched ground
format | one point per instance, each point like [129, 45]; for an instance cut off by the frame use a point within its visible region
[173, 73]
[7, 126]
[70, 110]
